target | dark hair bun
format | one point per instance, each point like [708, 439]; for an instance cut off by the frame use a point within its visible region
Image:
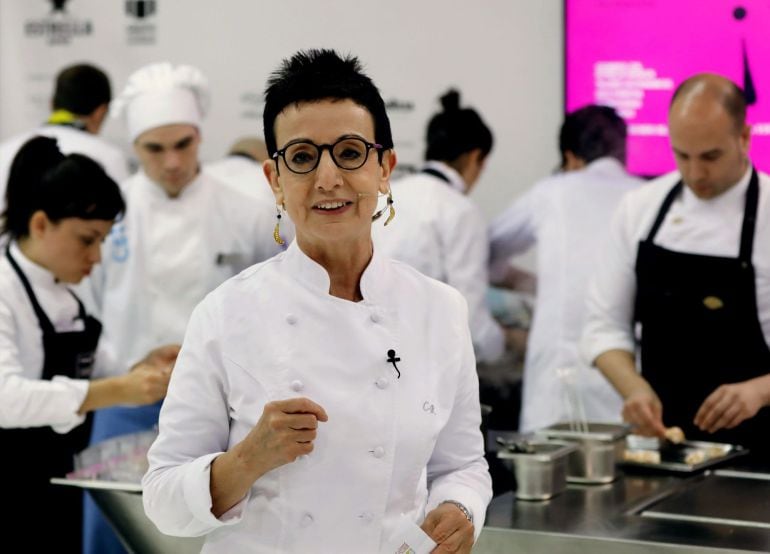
[451, 101]
[455, 131]
[35, 158]
[42, 178]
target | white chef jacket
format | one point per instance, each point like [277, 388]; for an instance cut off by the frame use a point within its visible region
[566, 215]
[391, 445]
[707, 227]
[70, 140]
[25, 399]
[165, 256]
[246, 175]
[442, 233]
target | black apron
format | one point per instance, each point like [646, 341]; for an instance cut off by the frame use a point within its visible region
[700, 328]
[435, 173]
[43, 517]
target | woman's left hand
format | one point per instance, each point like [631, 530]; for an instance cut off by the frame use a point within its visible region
[449, 528]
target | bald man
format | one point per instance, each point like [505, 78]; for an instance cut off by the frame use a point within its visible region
[684, 285]
[241, 169]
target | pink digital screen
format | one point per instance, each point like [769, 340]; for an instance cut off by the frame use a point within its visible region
[632, 54]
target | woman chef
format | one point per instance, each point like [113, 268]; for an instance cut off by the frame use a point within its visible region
[325, 399]
[59, 208]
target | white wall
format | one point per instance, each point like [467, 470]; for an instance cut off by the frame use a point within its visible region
[504, 55]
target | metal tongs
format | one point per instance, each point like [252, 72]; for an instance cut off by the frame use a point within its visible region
[578, 422]
[521, 446]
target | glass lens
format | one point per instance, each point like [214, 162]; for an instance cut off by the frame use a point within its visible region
[350, 153]
[301, 157]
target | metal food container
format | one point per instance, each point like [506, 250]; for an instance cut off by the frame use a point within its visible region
[542, 471]
[600, 447]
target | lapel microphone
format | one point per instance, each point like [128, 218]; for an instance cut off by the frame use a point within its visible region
[392, 360]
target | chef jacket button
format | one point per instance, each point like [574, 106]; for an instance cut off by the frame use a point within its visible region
[307, 520]
[382, 383]
[367, 517]
[297, 385]
[291, 319]
[375, 317]
[378, 452]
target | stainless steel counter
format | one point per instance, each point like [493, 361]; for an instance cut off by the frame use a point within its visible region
[617, 518]
[632, 515]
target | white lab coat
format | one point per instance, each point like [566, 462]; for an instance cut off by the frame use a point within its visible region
[442, 233]
[70, 140]
[567, 216]
[391, 445]
[706, 227]
[25, 399]
[165, 256]
[246, 175]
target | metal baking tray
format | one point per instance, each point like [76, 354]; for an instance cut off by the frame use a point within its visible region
[672, 456]
[592, 431]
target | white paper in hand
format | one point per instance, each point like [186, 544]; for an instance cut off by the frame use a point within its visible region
[408, 538]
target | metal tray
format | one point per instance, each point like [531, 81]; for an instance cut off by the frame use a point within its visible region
[593, 431]
[672, 456]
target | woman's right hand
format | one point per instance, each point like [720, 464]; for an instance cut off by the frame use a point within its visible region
[285, 431]
[642, 408]
[145, 384]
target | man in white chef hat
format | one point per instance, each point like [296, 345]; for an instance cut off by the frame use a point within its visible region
[184, 233]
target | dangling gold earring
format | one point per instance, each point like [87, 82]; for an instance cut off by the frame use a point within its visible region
[277, 231]
[388, 205]
[392, 212]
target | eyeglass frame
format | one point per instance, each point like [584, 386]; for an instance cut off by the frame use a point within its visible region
[320, 149]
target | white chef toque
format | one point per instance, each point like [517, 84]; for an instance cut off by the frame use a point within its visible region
[162, 94]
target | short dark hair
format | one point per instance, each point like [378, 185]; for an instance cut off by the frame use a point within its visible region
[455, 131]
[315, 75]
[81, 89]
[593, 132]
[730, 95]
[42, 178]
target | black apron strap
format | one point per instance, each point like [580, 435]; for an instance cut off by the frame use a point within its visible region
[670, 197]
[749, 215]
[749, 218]
[45, 323]
[435, 173]
[81, 309]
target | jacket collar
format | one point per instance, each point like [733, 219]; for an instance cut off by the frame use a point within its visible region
[732, 198]
[453, 177]
[606, 166]
[37, 275]
[314, 277]
[155, 191]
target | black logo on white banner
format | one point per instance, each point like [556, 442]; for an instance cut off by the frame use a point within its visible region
[58, 6]
[141, 31]
[59, 27]
[140, 8]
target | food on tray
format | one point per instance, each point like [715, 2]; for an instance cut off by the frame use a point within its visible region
[714, 452]
[695, 457]
[642, 456]
[675, 435]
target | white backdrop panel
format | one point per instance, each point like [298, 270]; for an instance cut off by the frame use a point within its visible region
[505, 56]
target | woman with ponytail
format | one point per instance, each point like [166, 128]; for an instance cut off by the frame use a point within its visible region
[443, 232]
[58, 210]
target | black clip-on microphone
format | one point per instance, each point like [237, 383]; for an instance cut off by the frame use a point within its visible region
[392, 360]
